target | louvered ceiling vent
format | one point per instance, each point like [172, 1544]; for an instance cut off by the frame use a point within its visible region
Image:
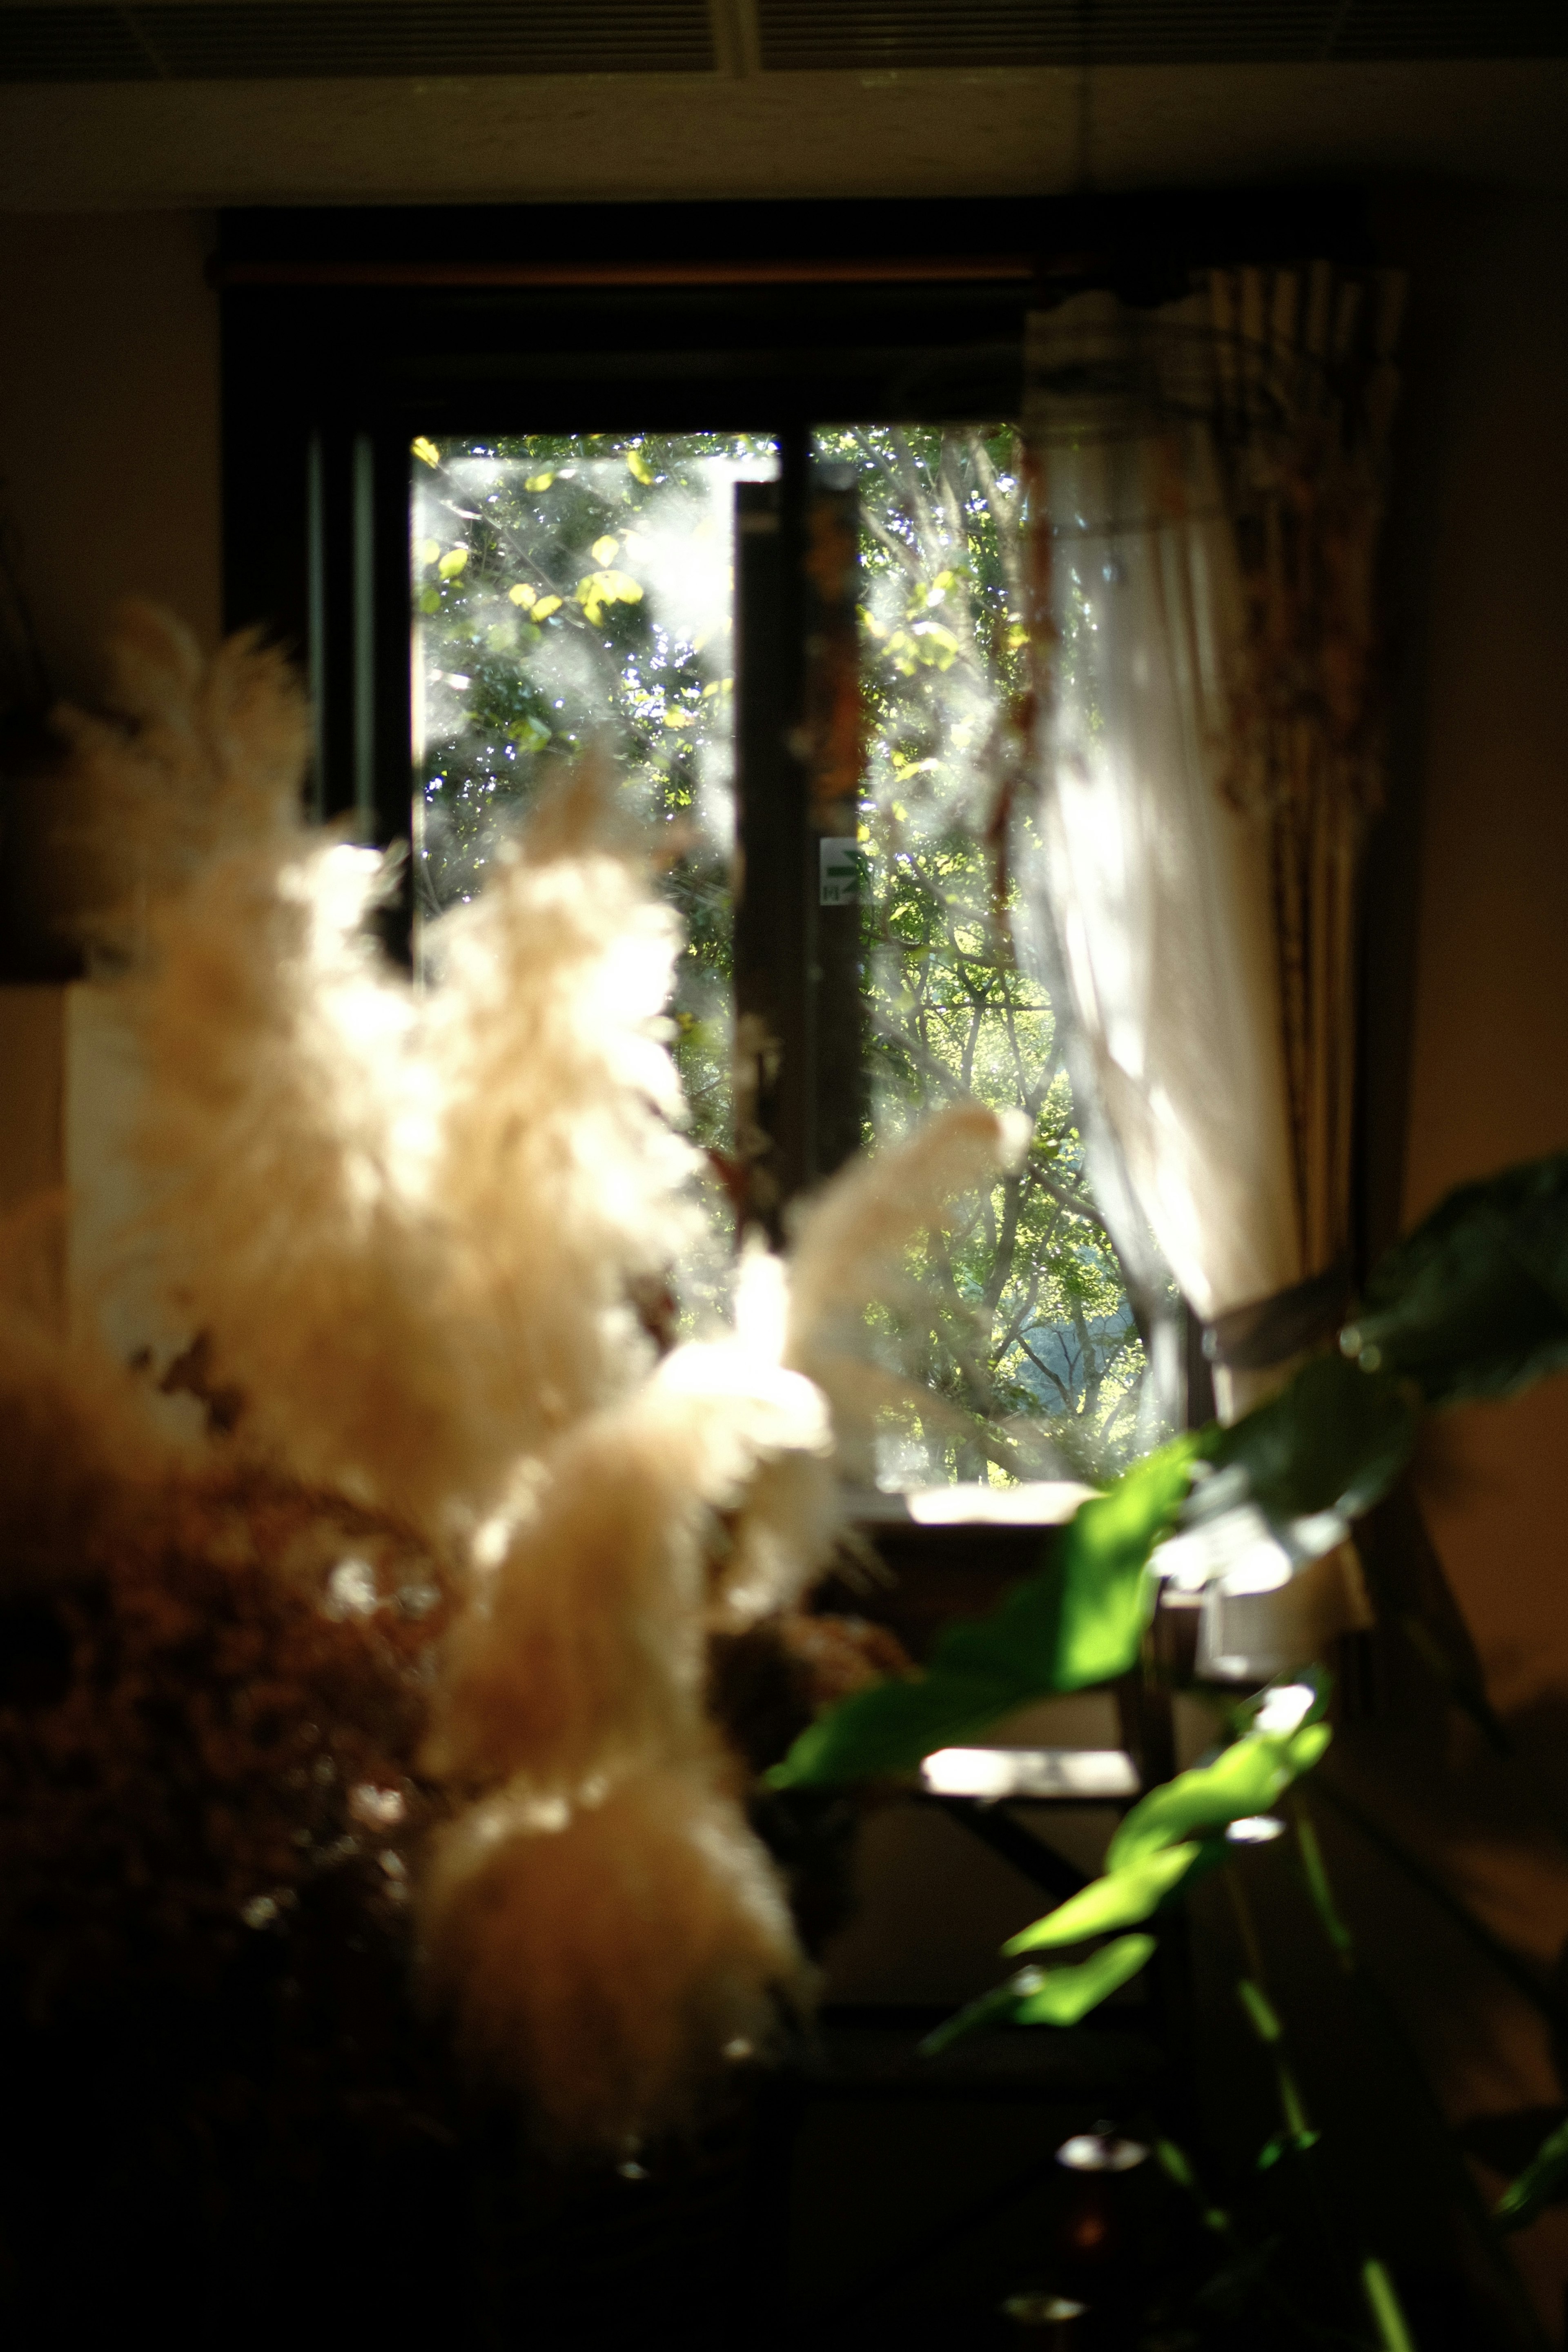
[260, 40]
[903, 33]
[247, 40]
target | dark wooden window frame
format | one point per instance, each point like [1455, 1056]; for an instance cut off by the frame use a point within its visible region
[347, 332]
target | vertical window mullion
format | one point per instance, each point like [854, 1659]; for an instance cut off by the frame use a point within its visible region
[772, 1035]
[799, 1007]
[331, 608]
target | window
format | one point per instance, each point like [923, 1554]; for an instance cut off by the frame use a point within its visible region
[575, 589]
[554, 433]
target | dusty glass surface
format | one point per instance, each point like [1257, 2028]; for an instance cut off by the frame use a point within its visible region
[569, 589]
[574, 588]
[1028, 1337]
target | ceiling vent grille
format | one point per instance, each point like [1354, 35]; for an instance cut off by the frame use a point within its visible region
[257, 41]
[800, 35]
[249, 40]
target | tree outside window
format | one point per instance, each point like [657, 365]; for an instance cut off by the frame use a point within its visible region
[570, 589]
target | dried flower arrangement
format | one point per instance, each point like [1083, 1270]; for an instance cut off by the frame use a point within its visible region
[421, 1616]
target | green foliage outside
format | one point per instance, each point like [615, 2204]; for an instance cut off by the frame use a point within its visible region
[574, 588]
[1026, 1329]
[573, 592]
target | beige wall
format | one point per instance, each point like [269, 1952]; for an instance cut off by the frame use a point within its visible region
[936, 132]
[1490, 1076]
[108, 422]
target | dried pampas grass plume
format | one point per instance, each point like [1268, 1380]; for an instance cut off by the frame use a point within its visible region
[609, 1955]
[201, 756]
[582, 1653]
[849, 1246]
[354, 1184]
[565, 1175]
[411, 1226]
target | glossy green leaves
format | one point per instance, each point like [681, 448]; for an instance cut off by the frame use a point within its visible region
[1047, 1995]
[1076, 1622]
[1245, 1779]
[1474, 1303]
[889, 1729]
[1150, 1857]
[1542, 2180]
[1335, 1439]
[1118, 1901]
[1063, 1996]
[1315, 1873]
[1384, 2306]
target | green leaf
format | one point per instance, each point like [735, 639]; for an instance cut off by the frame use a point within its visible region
[1335, 1439]
[1383, 2301]
[1261, 2012]
[1315, 1872]
[998, 2007]
[1047, 1996]
[1245, 1779]
[1538, 2184]
[1079, 1622]
[1068, 1994]
[1120, 1900]
[1474, 1303]
[889, 1729]
[1176, 2164]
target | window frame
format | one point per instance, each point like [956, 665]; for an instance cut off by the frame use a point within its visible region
[346, 332]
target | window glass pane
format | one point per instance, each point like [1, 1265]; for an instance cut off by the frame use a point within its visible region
[1023, 1326]
[569, 588]
[575, 587]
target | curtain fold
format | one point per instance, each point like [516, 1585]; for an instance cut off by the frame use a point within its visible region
[1205, 488]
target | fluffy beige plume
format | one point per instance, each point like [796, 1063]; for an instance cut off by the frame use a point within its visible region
[810, 1315]
[283, 1097]
[410, 1225]
[277, 1069]
[781, 1541]
[583, 1653]
[210, 755]
[847, 1248]
[561, 1164]
[784, 1534]
[608, 1956]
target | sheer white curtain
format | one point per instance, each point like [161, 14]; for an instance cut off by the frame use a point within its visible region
[1204, 485]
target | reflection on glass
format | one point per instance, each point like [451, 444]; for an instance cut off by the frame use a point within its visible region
[570, 588]
[1020, 1321]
